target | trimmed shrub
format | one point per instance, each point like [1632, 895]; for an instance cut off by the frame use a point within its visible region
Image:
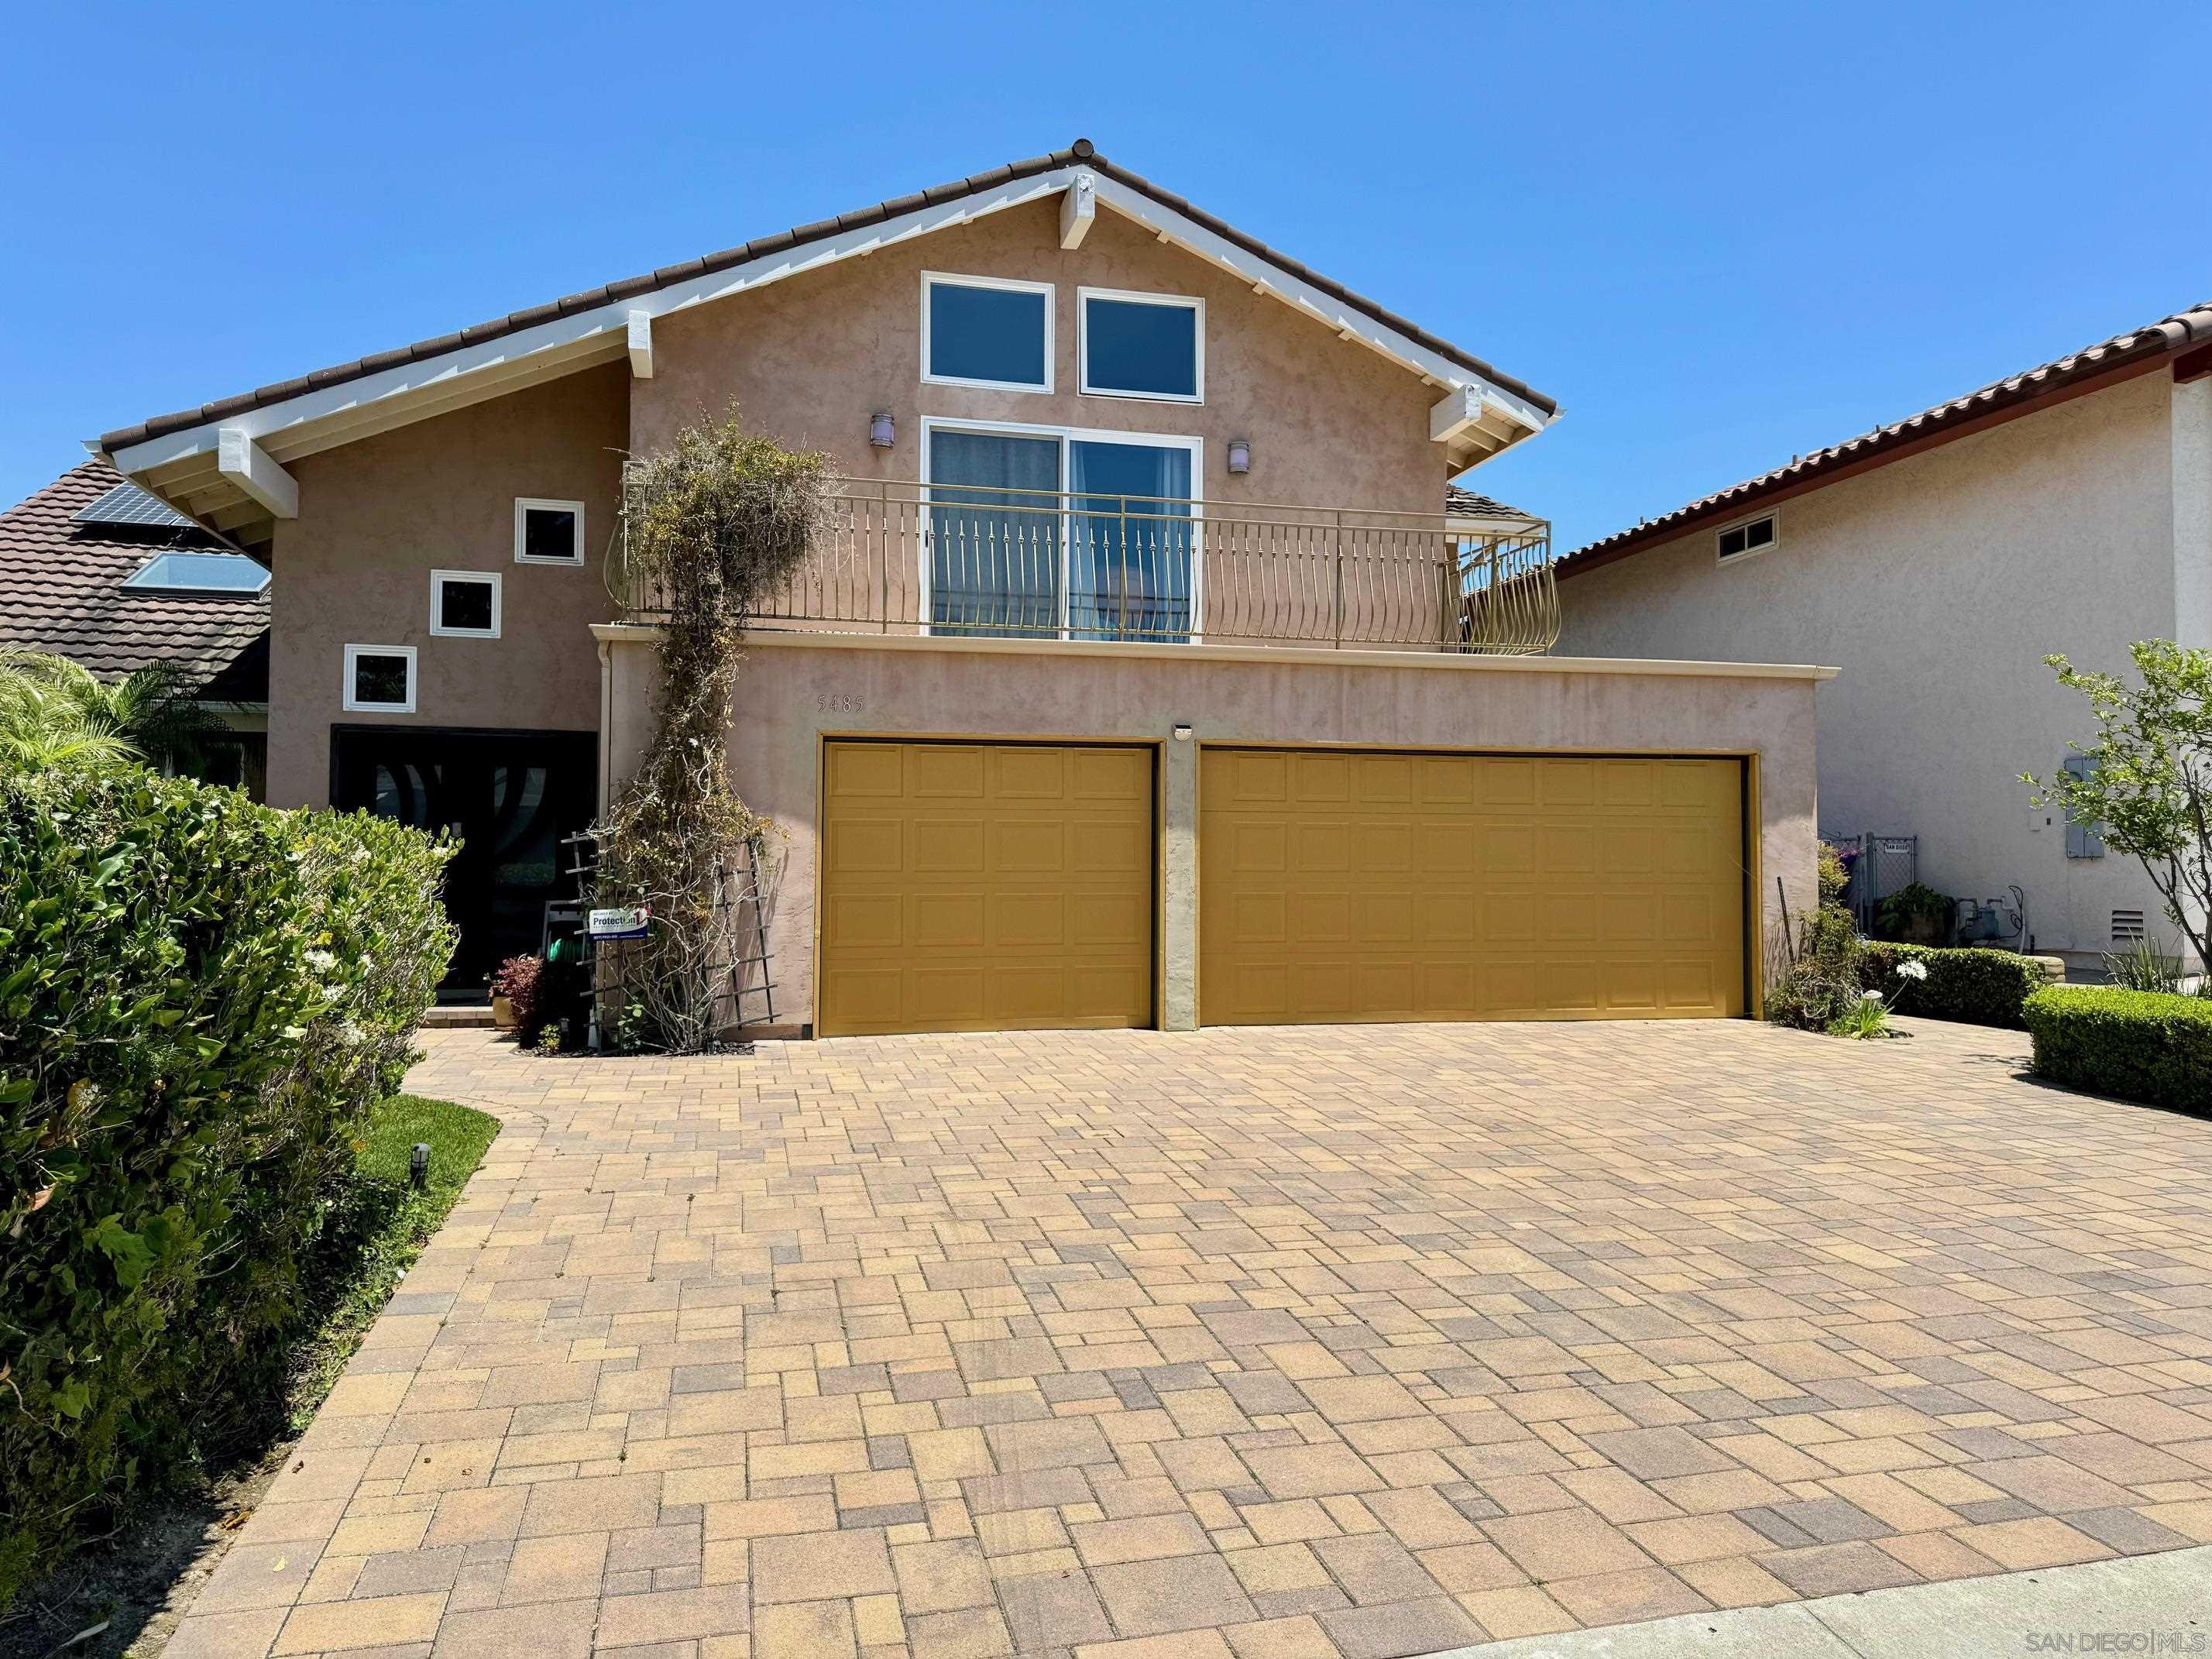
[2138, 1045]
[200, 1000]
[1974, 986]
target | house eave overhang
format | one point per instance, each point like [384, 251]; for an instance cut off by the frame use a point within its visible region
[179, 462]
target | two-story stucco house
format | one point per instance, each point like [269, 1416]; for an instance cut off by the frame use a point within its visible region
[1937, 561]
[1149, 674]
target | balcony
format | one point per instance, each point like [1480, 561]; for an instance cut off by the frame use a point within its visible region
[900, 558]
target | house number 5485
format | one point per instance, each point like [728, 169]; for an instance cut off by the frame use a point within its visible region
[836, 702]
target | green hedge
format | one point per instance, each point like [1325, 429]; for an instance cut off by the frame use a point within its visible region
[200, 1000]
[2138, 1045]
[1974, 986]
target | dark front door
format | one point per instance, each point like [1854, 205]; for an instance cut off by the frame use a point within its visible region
[509, 796]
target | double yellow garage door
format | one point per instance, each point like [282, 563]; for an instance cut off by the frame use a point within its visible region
[998, 887]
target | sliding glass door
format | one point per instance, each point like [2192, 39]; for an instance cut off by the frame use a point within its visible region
[1068, 536]
[1129, 542]
[994, 534]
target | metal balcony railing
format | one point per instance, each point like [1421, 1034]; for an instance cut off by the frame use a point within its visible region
[900, 558]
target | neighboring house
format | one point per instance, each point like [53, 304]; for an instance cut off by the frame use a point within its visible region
[94, 569]
[1146, 675]
[1937, 561]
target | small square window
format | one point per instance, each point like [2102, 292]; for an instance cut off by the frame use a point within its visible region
[1142, 345]
[549, 532]
[380, 678]
[1754, 536]
[987, 331]
[464, 603]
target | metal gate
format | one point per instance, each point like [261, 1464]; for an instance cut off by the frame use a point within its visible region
[1880, 866]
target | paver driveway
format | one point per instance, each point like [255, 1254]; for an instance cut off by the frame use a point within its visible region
[1264, 1343]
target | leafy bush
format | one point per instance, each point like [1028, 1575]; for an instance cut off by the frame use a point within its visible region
[1974, 987]
[521, 981]
[1821, 985]
[1835, 873]
[2138, 1045]
[1917, 912]
[199, 998]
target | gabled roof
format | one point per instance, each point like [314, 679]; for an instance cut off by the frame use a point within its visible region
[174, 455]
[61, 591]
[2135, 351]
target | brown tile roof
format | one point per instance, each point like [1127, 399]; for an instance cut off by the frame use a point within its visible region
[1467, 504]
[2016, 394]
[628, 287]
[61, 590]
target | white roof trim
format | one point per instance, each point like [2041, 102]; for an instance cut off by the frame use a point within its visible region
[286, 428]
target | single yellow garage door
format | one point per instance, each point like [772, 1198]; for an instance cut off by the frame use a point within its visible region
[1347, 886]
[986, 887]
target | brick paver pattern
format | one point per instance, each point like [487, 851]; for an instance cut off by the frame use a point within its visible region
[1262, 1344]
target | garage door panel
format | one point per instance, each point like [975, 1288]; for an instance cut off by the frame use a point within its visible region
[985, 887]
[946, 772]
[872, 847]
[1452, 887]
[1026, 920]
[1320, 919]
[948, 847]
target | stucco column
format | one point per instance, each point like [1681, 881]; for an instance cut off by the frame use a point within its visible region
[1179, 886]
[2192, 512]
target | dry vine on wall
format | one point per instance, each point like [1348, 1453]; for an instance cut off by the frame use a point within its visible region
[720, 520]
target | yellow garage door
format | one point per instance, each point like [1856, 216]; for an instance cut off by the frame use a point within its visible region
[986, 887]
[1344, 886]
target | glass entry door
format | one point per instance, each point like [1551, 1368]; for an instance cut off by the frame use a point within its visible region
[511, 797]
[1064, 537]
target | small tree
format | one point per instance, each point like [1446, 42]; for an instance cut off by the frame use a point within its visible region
[2148, 782]
[713, 525]
[55, 712]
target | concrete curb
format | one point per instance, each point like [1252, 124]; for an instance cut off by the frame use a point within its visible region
[2145, 1604]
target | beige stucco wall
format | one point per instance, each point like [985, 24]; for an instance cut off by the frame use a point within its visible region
[1938, 584]
[796, 688]
[376, 517]
[812, 357]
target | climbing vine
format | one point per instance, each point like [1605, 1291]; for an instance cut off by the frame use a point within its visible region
[709, 526]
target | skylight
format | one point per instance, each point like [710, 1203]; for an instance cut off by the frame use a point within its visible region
[201, 573]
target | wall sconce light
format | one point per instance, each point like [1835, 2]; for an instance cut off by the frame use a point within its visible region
[1182, 734]
[882, 431]
[1240, 454]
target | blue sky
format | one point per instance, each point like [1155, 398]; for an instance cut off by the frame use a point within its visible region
[1718, 234]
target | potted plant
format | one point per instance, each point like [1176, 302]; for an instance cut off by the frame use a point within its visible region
[1916, 915]
[516, 996]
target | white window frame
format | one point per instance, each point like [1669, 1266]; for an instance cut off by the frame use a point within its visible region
[353, 704]
[930, 278]
[439, 582]
[1189, 302]
[522, 506]
[1721, 558]
[1069, 435]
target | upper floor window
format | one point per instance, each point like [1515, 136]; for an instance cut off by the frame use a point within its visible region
[985, 331]
[464, 603]
[201, 573]
[380, 678]
[1142, 345]
[1753, 536]
[547, 532]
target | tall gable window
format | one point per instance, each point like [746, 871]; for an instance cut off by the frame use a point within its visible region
[1142, 345]
[985, 331]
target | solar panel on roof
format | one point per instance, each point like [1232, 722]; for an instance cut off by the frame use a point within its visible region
[126, 503]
